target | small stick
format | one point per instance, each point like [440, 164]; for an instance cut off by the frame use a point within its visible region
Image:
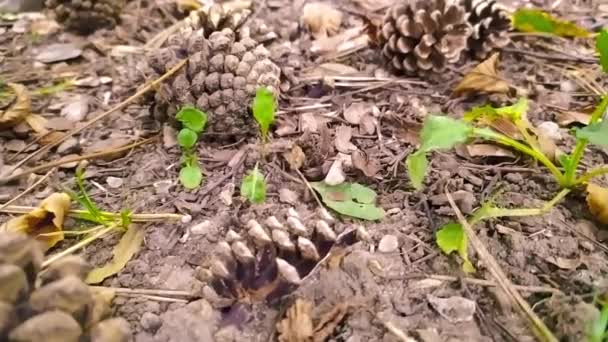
[153, 292]
[487, 283]
[396, 331]
[538, 326]
[140, 218]
[152, 85]
[14, 199]
[60, 162]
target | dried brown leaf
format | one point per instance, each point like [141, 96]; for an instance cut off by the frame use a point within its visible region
[329, 321]
[368, 124]
[321, 19]
[361, 161]
[329, 70]
[597, 201]
[342, 140]
[295, 157]
[488, 150]
[46, 219]
[563, 263]
[297, 326]
[19, 109]
[567, 118]
[483, 79]
[355, 112]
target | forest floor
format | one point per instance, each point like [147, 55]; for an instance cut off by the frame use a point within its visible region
[396, 281]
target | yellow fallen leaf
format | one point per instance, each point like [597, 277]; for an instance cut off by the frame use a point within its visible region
[297, 326]
[597, 201]
[127, 247]
[46, 219]
[321, 19]
[483, 79]
[19, 110]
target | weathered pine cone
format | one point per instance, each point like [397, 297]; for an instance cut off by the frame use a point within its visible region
[86, 16]
[270, 258]
[491, 23]
[55, 305]
[424, 35]
[221, 77]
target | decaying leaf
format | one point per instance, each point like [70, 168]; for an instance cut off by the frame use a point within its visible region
[567, 118]
[483, 79]
[352, 199]
[454, 309]
[295, 157]
[535, 20]
[127, 247]
[361, 161]
[488, 150]
[563, 263]
[46, 219]
[356, 111]
[597, 201]
[342, 141]
[20, 108]
[297, 326]
[321, 19]
[335, 175]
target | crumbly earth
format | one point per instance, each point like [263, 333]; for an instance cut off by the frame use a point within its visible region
[559, 259]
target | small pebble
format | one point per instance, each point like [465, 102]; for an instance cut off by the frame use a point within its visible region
[389, 243]
[150, 322]
[201, 228]
[514, 178]
[550, 130]
[288, 196]
[70, 145]
[114, 182]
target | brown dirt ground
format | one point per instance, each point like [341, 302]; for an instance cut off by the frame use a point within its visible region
[550, 251]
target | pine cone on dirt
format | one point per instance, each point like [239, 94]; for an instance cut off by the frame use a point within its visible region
[86, 16]
[221, 77]
[491, 23]
[269, 258]
[421, 36]
[55, 305]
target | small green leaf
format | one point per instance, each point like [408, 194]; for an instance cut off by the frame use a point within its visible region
[534, 20]
[601, 44]
[187, 138]
[451, 238]
[514, 112]
[191, 176]
[416, 168]
[351, 199]
[264, 107]
[192, 118]
[442, 132]
[253, 186]
[596, 133]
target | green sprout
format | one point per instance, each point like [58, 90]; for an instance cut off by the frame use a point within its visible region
[253, 186]
[264, 107]
[596, 331]
[193, 123]
[441, 133]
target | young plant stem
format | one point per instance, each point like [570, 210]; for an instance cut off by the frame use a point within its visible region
[494, 212]
[504, 140]
[140, 218]
[586, 177]
[579, 149]
[78, 246]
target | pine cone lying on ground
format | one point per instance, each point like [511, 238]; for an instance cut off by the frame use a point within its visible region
[269, 258]
[221, 77]
[424, 35]
[491, 23]
[53, 306]
[86, 16]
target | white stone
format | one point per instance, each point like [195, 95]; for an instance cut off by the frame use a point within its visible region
[389, 243]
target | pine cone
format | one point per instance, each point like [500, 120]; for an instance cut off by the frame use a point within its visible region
[221, 77]
[86, 16]
[54, 306]
[424, 35]
[268, 259]
[491, 23]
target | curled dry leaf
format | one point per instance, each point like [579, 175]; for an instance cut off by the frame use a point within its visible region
[321, 19]
[46, 219]
[454, 309]
[297, 326]
[356, 111]
[597, 201]
[335, 175]
[488, 150]
[127, 247]
[342, 140]
[567, 118]
[361, 161]
[20, 108]
[295, 157]
[329, 321]
[483, 79]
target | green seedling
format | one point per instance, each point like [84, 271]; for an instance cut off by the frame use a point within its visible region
[601, 45]
[350, 199]
[534, 20]
[253, 186]
[597, 330]
[264, 108]
[442, 132]
[193, 123]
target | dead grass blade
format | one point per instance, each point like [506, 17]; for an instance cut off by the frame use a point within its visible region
[538, 326]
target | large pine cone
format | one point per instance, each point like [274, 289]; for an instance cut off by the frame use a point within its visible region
[86, 16]
[56, 305]
[491, 23]
[221, 77]
[268, 259]
[424, 35]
